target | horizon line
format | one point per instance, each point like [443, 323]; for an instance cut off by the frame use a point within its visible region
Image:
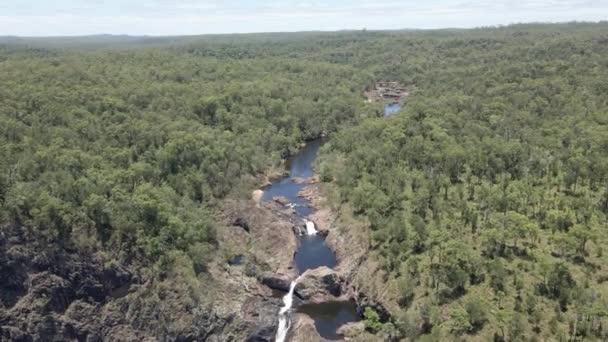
[497, 26]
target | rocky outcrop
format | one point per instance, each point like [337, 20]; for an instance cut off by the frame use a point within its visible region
[263, 334]
[300, 228]
[51, 292]
[323, 217]
[319, 285]
[256, 196]
[269, 226]
[300, 180]
[282, 200]
[279, 282]
[240, 221]
[304, 330]
[54, 293]
[261, 312]
[349, 239]
[352, 329]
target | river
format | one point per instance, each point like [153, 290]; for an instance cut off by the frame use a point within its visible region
[391, 108]
[312, 251]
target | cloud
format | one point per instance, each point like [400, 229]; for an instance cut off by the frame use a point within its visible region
[167, 17]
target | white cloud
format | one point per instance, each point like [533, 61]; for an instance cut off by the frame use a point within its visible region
[165, 17]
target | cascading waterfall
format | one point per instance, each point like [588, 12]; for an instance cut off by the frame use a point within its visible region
[284, 322]
[310, 228]
[312, 251]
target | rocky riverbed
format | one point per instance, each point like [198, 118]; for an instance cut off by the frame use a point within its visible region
[50, 292]
[362, 280]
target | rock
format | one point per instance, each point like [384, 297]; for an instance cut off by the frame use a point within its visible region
[257, 195]
[67, 296]
[322, 232]
[240, 221]
[303, 330]
[8, 333]
[383, 313]
[352, 329]
[300, 180]
[319, 285]
[56, 289]
[264, 334]
[299, 228]
[270, 226]
[279, 282]
[81, 311]
[282, 200]
[238, 259]
[261, 312]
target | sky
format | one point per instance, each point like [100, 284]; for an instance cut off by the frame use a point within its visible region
[186, 17]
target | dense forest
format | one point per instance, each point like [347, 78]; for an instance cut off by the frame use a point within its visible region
[130, 150]
[124, 154]
[486, 197]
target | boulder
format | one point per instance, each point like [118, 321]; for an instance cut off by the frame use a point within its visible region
[257, 195]
[282, 200]
[242, 222]
[238, 259]
[300, 180]
[58, 290]
[304, 330]
[264, 334]
[319, 285]
[260, 312]
[352, 329]
[279, 282]
[299, 228]
[9, 333]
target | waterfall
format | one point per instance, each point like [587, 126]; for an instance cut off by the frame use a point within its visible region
[284, 322]
[310, 228]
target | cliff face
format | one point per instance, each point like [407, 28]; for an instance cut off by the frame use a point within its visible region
[48, 291]
[349, 238]
[52, 293]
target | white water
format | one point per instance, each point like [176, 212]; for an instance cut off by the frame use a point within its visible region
[310, 228]
[284, 322]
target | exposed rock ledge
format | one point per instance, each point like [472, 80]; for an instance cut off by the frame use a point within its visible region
[280, 282]
[320, 285]
[349, 239]
[304, 330]
[52, 293]
[258, 230]
[351, 330]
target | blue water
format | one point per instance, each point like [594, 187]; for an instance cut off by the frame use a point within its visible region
[312, 251]
[330, 316]
[391, 108]
[299, 165]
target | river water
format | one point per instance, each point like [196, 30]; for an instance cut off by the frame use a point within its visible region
[312, 251]
[391, 108]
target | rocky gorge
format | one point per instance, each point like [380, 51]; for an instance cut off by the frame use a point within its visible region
[327, 299]
[50, 291]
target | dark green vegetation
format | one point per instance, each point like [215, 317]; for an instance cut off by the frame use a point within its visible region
[487, 196]
[129, 151]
